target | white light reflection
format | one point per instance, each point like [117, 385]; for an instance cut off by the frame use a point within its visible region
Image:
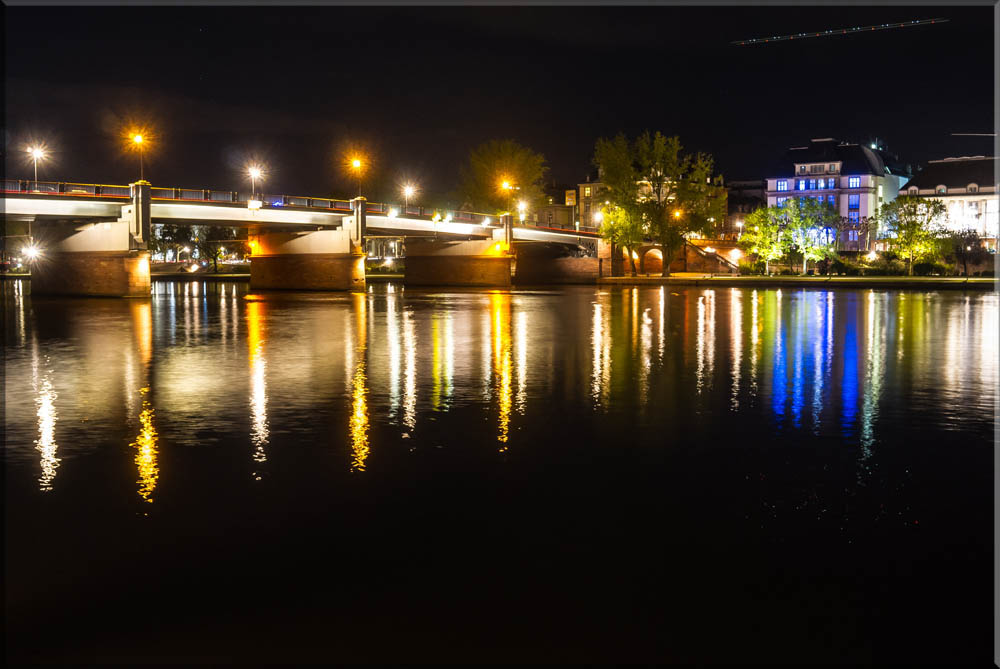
[522, 361]
[394, 343]
[736, 342]
[45, 410]
[410, 373]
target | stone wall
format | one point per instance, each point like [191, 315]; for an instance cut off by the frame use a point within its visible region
[541, 270]
[93, 273]
[308, 271]
[458, 270]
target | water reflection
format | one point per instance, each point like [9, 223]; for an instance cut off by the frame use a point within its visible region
[844, 364]
[360, 448]
[146, 452]
[500, 322]
[259, 432]
[45, 409]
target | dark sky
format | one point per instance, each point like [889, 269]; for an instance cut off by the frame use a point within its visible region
[418, 87]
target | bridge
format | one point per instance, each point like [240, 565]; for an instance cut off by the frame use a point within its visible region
[96, 238]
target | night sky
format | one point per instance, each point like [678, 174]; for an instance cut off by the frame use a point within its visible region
[418, 87]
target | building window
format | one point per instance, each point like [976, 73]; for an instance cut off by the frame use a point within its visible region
[853, 201]
[586, 207]
[822, 184]
[854, 182]
[973, 188]
[781, 200]
[913, 191]
[831, 200]
[941, 190]
[802, 184]
[833, 167]
[586, 191]
[802, 169]
[549, 217]
[852, 235]
[812, 184]
[854, 217]
[782, 185]
[816, 169]
[831, 182]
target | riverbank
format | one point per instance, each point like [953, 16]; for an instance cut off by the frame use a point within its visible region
[881, 282]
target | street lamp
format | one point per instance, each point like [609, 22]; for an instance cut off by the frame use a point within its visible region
[137, 141]
[598, 217]
[408, 191]
[255, 173]
[356, 166]
[36, 154]
[677, 213]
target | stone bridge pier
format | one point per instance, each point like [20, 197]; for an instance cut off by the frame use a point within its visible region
[479, 262]
[310, 260]
[104, 258]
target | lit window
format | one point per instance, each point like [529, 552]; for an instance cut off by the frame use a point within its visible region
[781, 200]
[853, 217]
[854, 182]
[812, 184]
[802, 169]
[822, 184]
[941, 190]
[853, 201]
[831, 200]
[852, 235]
[802, 184]
[782, 185]
[833, 167]
[586, 191]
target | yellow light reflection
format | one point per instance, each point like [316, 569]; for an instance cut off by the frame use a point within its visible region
[522, 361]
[360, 448]
[500, 317]
[705, 350]
[146, 453]
[259, 433]
[395, 343]
[410, 387]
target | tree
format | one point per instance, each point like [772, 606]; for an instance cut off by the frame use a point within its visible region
[175, 237]
[623, 228]
[676, 193]
[622, 218]
[498, 161]
[811, 226]
[764, 235]
[210, 241]
[910, 224]
[967, 247]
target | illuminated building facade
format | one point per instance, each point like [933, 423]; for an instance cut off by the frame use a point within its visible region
[855, 179]
[967, 187]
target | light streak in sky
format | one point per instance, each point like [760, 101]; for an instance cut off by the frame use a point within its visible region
[836, 31]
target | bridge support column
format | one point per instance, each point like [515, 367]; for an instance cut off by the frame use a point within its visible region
[483, 262]
[317, 260]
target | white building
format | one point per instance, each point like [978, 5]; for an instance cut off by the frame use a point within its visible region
[967, 187]
[855, 179]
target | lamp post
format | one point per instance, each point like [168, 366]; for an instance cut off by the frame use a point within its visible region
[255, 173]
[137, 141]
[408, 190]
[36, 155]
[356, 166]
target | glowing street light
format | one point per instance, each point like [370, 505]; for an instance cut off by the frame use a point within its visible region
[36, 154]
[31, 252]
[521, 206]
[357, 165]
[408, 191]
[677, 213]
[137, 142]
[255, 173]
[598, 217]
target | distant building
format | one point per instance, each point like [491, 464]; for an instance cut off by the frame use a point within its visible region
[742, 199]
[559, 209]
[855, 179]
[588, 202]
[967, 187]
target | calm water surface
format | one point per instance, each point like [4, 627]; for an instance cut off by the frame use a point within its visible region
[555, 474]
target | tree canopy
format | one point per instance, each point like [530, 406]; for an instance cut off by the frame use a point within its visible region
[495, 162]
[911, 227]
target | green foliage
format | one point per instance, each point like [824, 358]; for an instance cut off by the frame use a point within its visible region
[497, 161]
[811, 227]
[931, 269]
[751, 267]
[622, 227]
[911, 226]
[673, 194]
[965, 248]
[764, 235]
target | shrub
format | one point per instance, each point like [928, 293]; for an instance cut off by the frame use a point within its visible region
[930, 269]
[753, 267]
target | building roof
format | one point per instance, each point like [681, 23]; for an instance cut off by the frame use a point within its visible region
[956, 173]
[853, 158]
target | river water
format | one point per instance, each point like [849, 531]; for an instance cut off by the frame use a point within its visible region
[653, 474]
